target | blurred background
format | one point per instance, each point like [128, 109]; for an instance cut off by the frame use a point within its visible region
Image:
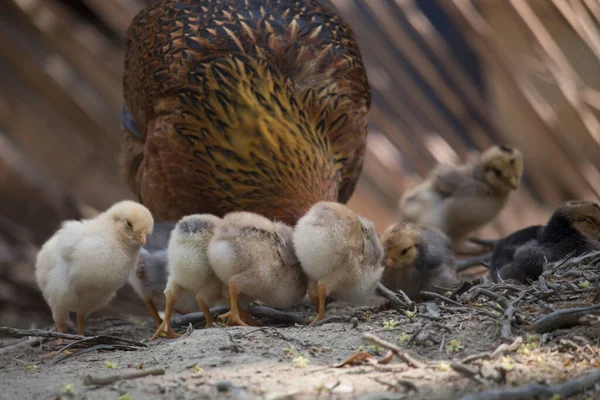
[449, 78]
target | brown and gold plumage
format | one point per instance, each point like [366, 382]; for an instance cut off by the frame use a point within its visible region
[255, 105]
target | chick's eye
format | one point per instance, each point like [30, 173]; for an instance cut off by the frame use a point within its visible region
[590, 220]
[496, 171]
[128, 224]
[405, 251]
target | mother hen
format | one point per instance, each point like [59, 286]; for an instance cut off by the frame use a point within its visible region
[255, 105]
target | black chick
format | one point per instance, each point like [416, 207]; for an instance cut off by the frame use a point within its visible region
[573, 230]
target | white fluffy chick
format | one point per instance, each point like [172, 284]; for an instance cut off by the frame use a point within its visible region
[461, 199]
[82, 266]
[341, 254]
[190, 269]
[256, 258]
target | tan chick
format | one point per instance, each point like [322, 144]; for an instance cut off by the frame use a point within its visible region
[255, 258]
[417, 258]
[341, 254]
[82, 266]
[461, 199]
[190, 269]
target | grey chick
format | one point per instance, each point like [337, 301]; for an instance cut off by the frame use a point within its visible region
[417, 258]
[458, 200]
[149, 277]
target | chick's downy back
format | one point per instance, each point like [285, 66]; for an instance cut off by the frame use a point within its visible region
[328, 236]
[189, 265]
[256, 105]
[259, 255]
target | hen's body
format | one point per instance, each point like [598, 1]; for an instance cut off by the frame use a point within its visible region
[253, 105]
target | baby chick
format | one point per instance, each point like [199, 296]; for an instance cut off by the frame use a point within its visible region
[81, 267]
[256, 258]
[189, 268]
[573, 230]
[340, 252]
[461, 199]
[149, 277]
[416, 259]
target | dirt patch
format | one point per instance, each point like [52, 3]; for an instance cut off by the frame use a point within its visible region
[295, 362]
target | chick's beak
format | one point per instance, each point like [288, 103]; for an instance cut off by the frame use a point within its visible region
[142, 239]
[514, 184]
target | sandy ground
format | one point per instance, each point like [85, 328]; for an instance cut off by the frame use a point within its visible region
[271, 362]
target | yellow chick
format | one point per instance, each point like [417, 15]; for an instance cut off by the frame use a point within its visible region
[190, 269]
[82, 266]
[461, 199]
[340, 252]
[255, 258]
[416, 259]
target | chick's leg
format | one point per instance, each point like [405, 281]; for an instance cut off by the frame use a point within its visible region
[80, 324]
[313, 294]
[205, 310]
[172, 294]
[60, 328]
[233, 316]
[322, 297]
[153, 312]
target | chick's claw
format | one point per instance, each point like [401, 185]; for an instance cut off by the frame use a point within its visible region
[161, 332]
[235, 320]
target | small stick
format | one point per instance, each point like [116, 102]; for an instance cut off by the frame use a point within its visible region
[503, 301]
[94, 348]
[564, 389]
[107, 380]
[462, 289]
[332, 319]
[467, 371]
[507, 319]
[414, 335]
[22, 343]
[403, 355]
[470, 309]
[19, 333]
[469, 262]
[399, 304]
[432, 295]
[277, 315]
[234, 345]
[195, 317]
[563, 318]
[499, 350]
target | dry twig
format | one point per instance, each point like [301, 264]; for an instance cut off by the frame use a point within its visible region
[402, 354]
[526, 392]
[563, 318]
[107, 380]
[401, 302]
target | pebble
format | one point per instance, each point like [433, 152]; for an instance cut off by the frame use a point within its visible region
[224, 386]
[354, 322]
